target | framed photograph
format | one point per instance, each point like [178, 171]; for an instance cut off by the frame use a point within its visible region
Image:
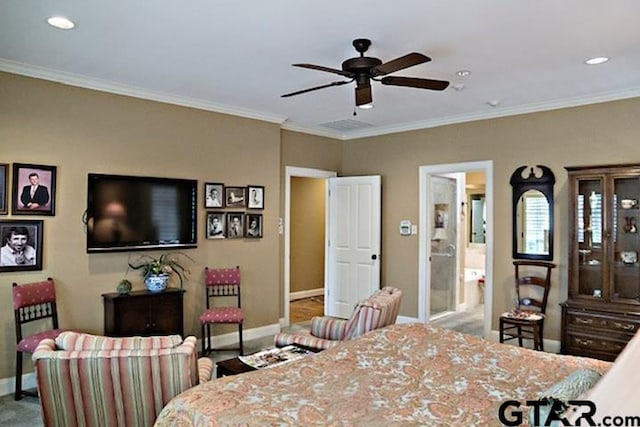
[21, 245]
[213, 195]
[216, 224]
[235, 197]
[235, 225]
[253, 226]
[4, 168]
[256, 197]
[34, 189]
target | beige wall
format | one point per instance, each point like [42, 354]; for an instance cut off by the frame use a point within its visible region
[595, 134]
[307, 233]
[82, 131]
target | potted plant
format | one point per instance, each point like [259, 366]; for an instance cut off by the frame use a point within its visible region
[155, 271]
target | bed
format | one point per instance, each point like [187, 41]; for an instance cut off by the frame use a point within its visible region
[409, 374]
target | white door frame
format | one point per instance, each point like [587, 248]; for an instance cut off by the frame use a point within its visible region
[292, 171]
[425, 219]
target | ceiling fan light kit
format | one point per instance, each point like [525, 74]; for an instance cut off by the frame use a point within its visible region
[362, 69]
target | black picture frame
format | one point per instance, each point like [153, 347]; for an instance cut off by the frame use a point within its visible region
[255, 197]
[235, 197]
[216, 225]
[214, 195]
[29, 257]
[235, 225]
[22, 201]
[4, 170]
[251, 231]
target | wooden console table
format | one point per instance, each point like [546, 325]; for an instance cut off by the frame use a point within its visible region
[144, 313]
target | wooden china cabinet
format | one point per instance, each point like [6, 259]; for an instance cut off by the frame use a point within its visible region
[603, 309]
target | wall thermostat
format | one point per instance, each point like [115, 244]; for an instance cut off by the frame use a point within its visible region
[405, 227]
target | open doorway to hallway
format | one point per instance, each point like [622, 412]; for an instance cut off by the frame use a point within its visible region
[456, 246]
[304, 242]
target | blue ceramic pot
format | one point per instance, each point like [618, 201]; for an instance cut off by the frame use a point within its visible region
[156, 282]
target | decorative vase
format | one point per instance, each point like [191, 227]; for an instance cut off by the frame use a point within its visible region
[156, 282]
[124, 287]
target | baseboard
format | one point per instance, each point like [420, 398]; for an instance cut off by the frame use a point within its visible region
[306, 294]
[231, 339]
[7, 385]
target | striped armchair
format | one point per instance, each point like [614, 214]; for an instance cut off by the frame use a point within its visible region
[379, 310]
[100, 381]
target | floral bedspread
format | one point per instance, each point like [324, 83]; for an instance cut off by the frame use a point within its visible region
[408, 374]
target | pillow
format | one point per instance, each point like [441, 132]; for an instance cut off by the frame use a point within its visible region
[80, 341]
[569, 388]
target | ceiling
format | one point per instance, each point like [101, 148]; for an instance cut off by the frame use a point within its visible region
[235, 56]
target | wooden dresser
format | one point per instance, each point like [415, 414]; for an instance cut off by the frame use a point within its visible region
[603, 309]
[143, 313]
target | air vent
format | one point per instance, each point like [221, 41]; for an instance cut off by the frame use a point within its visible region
[346, 125]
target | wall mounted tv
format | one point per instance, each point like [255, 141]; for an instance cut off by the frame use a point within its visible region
[126, 213]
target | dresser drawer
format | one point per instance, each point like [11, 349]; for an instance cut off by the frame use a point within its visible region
[584, 319]
[592, 343]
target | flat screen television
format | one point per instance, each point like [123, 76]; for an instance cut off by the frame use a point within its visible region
[126, 213]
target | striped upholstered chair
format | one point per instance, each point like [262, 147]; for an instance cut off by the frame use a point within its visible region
[99, 381]
[379, 310]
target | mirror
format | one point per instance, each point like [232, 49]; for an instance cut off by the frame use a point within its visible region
[533, 213]
[477, 212]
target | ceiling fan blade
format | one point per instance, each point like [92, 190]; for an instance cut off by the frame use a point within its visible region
[363, 95]
[298, 92]
[327, 69]
[406, 61]
[415, 82]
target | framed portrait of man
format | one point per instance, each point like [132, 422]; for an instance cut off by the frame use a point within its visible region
[216, 224]
[235, 225]
[213, 195]
[253, 228]
[21, 248]
[255, 197]
[3, 188]
[34, 188]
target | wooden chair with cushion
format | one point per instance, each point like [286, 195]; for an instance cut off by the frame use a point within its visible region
[223, 285]
[33, 304]
[526, 320]
[379, 310]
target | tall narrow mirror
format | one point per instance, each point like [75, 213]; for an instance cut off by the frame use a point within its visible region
[533, 213]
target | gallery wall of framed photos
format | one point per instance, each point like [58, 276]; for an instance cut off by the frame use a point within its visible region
[33, 190]
[237, 211]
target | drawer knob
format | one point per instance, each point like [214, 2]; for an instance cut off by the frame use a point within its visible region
[624, 326]
[583, 342]
[584, 321]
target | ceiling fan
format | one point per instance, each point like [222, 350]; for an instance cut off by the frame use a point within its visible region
[362, 69]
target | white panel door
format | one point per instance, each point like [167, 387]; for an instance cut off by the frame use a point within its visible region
[353, 244]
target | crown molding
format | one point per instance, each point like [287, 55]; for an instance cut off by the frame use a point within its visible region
[110, 87]
[118, 89]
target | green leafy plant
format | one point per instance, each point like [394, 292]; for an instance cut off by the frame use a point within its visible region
[166, 263]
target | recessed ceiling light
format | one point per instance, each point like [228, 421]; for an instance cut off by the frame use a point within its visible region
[493, 103]
[463, 73]
[597, 60]
[61, 23]
[458, 86]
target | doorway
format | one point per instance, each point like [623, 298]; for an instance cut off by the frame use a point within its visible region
[440, 239]
[297, 182]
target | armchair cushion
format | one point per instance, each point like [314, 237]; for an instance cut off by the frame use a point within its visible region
[70, 340]
[330, 328]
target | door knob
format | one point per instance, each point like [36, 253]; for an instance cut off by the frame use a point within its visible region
[374, 257]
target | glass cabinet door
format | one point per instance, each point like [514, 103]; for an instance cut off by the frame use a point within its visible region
[625, 212]
[589, 235]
